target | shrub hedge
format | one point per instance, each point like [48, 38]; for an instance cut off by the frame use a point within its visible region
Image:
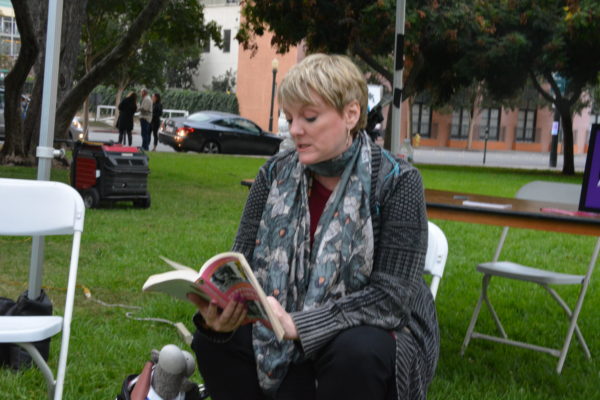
[175, 99]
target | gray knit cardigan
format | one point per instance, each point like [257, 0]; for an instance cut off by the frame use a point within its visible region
[397, 298]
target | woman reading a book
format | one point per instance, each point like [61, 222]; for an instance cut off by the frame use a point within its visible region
[336, 233]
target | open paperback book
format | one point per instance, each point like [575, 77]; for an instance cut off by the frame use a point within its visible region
[224, 277]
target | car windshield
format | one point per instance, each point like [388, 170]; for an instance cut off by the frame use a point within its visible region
[200, 117]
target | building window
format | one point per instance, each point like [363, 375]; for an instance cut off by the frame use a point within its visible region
[526, 125]
[7, 25]
[490, 123]
[226, 40]
[421, 119]
[460, 124]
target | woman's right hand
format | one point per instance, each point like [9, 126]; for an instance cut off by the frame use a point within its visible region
[220, 320]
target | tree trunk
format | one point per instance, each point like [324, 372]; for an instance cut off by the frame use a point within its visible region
[567, 125]
[13, 149]
[68, 107]
[69, 99]
[475, 111]
[32, 17]
[74, 15]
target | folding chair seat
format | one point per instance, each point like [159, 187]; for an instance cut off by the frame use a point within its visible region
[564, 193]
[437, 253]
[42, 208]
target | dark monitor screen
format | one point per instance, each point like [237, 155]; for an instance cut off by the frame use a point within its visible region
[590, 188]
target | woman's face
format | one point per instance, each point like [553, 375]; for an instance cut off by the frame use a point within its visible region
[319, 131]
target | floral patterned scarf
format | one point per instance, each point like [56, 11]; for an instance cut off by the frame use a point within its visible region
[339, 262]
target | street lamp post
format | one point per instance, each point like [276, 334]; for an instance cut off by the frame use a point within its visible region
[274, 67]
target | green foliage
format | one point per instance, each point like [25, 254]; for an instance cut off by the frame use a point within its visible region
[177, 99]
[181, 99]
[223, 83]
[197, 201]
[169, 52]
[103, 95]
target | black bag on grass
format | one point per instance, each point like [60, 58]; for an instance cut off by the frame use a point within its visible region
[11, 354]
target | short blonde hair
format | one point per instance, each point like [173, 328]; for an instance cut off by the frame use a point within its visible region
[335, 78]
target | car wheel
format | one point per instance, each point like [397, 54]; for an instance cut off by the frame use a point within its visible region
[210, 147]
[142, 203]
[91, 198]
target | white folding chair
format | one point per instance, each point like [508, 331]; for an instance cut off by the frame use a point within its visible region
[564, 193]
[42, 208]
[437, 253]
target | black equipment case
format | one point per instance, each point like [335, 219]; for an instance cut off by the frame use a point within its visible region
[110, 172]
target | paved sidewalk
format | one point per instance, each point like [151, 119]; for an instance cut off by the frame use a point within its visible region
[424, 155]
[505, 159]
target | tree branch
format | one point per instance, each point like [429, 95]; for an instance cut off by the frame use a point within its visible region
[16, 78]
[68, 107]
[371, 62]
[541, 90]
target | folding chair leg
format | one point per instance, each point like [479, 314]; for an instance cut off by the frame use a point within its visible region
[569, 313]
[471, 326]
[475, 315]
[494, 315]
[42, 365]
[577, 308]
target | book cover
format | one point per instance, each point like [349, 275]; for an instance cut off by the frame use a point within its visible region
[224, 277]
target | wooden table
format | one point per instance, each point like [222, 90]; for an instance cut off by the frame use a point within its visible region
[521, 213]
[448, 205]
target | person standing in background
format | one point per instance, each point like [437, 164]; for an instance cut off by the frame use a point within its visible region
[145, 118]
[127, 109]
[157, 110]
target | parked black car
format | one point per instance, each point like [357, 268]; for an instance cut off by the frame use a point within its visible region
[217, 132]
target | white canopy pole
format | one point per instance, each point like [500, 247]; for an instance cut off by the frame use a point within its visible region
[398, 84]
[45, 150]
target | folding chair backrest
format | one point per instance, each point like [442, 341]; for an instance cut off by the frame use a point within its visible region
[39, 208]
[437, 253]
[555, 192]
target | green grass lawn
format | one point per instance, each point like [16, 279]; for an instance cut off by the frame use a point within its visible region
[197, 201]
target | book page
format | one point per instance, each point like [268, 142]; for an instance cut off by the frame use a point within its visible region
[176, 283]
[176, 265]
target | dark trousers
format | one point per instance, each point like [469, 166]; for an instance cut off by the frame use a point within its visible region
[145, 131]
[123, 134]
[359, 363]
[154, 126]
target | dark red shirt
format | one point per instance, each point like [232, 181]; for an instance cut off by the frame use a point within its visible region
[316, 204]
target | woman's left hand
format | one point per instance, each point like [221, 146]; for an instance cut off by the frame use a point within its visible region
[289, 327]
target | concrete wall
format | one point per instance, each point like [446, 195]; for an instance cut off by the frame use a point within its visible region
[216, 62]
